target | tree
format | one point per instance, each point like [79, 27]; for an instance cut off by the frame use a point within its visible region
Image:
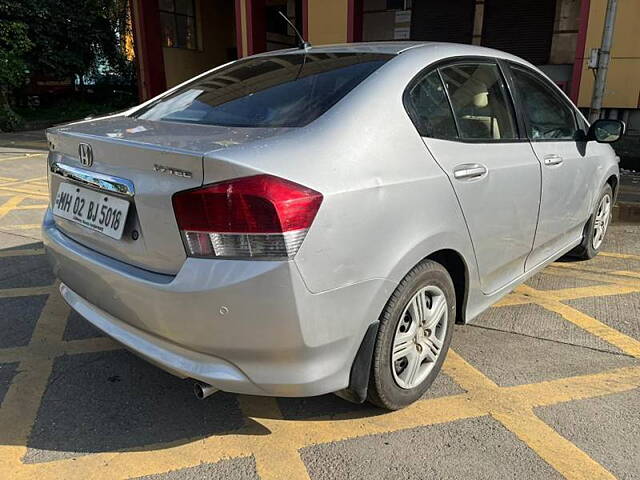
[14, 44]
[71, 37]
[63, 39]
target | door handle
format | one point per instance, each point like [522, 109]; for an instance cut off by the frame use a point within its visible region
[552, 159]
[468, 171]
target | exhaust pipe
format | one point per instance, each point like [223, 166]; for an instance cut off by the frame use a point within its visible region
[203, 390]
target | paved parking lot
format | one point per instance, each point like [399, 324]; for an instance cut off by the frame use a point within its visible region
[546, 384]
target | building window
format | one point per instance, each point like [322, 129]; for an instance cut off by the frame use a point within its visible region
[178, 23]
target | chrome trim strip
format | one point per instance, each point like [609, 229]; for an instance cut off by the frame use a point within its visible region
[101, 181]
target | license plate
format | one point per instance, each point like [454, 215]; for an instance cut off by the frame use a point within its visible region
[97, 211]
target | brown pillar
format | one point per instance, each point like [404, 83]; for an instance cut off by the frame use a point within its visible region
[256, 26]
[251, 27]
[354, 19]
[148, 48]
[578, 63]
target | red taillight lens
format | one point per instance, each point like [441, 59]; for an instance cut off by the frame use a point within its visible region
[260, 216]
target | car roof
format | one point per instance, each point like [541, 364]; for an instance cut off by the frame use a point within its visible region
[391, 48]
[441, 49]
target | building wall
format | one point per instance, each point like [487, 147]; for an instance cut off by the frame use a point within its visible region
[327, 21]
[623, 78]
[565, 32]
[216, 35]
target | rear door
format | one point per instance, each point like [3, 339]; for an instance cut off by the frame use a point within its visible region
[466, 118]
[569, 166]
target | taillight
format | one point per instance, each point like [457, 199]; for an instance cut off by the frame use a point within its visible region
[260, 216]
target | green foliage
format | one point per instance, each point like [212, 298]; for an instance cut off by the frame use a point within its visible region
[62, 39]
[72, 37]
[14, 44]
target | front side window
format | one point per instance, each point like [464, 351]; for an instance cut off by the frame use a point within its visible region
[178, 23]
[430, 109]
[480, 102]
[272, 91]
[548, 117]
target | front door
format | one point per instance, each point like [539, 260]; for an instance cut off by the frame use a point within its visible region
[568, 168]
[465, 115]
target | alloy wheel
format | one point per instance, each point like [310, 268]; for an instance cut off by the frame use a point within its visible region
[419, 337]
[601, 222]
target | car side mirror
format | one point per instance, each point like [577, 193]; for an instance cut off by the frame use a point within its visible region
[606, 130]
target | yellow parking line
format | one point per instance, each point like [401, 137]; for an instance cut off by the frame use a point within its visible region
[28, 193]
[274, 457]
[551, 300]
[52, 321]
[514, 411]
[625, 343]
[626, 273]
[27, 226]
[88, 345]
[620, 255]
[466, 376]
[583, 268]
[553, 448]
[24, 292]
[580, 387]
[19, 408]
[244, 442]
[21, 252]
[596, 277]
[26, 156]
[275, 442]
[525, 294]
[32, 207]
[10, 205]
[25, 393]
[23, 181]
[56, 349]
[585, 292]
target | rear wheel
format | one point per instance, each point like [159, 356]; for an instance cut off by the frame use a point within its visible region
[414, 336]
[596, 227]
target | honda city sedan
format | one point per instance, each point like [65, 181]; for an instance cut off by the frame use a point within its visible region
[316, 220]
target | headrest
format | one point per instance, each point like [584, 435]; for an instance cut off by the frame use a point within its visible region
[481, 99]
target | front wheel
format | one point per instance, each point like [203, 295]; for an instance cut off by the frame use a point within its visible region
[596, 227]
[414, 336]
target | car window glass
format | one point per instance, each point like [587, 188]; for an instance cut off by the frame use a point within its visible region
[548, 117]
[480, 102]
[272, 91]
[430, 107]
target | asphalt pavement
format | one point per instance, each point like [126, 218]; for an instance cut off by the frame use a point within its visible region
[546, 384]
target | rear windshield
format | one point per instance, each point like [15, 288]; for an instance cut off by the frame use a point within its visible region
[274, 91]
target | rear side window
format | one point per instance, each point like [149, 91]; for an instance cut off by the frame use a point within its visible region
[548, 117]
[274, 91]
[430, 109]
[480, 102]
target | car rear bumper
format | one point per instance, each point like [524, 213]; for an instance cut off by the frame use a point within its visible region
[242, 326]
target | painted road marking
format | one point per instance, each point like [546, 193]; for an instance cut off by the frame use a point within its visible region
[21, 252]
[26, 226]
[10, 205]
[27, 156]
[277, 452]
[627, 256]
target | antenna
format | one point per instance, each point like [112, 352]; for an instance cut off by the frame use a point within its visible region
[302, 43]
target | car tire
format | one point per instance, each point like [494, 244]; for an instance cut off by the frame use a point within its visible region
[398, 382]
[591, 244]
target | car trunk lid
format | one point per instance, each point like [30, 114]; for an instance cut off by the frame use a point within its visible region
[158, 159]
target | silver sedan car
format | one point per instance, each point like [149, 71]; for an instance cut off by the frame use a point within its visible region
[316, 220]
